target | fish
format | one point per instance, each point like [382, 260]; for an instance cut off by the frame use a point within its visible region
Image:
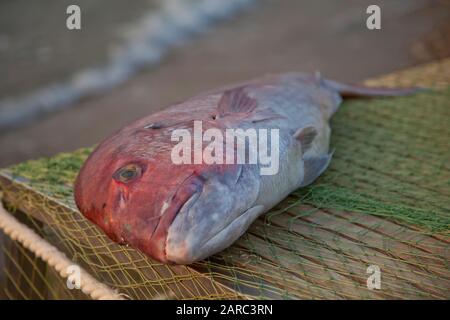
[132, 189]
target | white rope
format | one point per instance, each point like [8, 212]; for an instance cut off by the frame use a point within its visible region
[52, 256]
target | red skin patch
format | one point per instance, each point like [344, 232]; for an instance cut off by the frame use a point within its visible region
[131, 213]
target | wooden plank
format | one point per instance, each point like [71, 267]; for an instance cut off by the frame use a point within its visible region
[407, 270]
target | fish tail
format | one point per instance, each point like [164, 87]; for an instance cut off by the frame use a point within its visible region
[351, 91]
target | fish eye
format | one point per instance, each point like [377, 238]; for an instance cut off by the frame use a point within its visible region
[127, 173]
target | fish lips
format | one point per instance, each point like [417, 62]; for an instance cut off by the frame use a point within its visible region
[184, 196]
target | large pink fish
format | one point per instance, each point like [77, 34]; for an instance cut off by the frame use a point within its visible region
[180, 213]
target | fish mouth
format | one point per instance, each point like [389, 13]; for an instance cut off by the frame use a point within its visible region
[190, 252]
[183, 198]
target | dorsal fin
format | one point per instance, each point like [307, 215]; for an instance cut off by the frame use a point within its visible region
[306, 137]
[236, 101]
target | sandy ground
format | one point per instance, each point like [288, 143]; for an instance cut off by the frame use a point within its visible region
[275, 36]
[278, 35]
[37, 49]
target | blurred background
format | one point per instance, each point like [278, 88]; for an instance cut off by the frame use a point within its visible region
[63, 89]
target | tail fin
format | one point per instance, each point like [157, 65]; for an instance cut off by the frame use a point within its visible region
[349, 91]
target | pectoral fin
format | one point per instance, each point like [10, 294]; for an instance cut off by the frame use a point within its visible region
[306, 137]
[314, 167]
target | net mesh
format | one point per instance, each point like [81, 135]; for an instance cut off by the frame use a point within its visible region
[384, 201]
[28, 277]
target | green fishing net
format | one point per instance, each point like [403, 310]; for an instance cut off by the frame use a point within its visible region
[384, 201]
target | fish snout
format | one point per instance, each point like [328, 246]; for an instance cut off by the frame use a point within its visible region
[190, 245]
[154, 244]
[205, 224]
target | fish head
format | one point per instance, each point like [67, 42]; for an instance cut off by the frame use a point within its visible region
[171, 212]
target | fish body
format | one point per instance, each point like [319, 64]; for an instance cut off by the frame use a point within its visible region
[181, 213]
